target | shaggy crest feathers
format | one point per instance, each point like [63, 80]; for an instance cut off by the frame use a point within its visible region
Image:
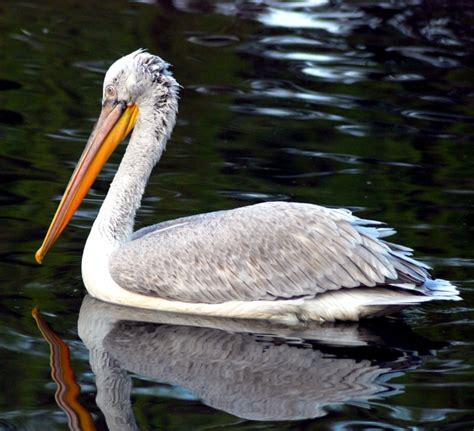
[151, 64]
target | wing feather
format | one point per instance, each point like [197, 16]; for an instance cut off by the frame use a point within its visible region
[262, 252]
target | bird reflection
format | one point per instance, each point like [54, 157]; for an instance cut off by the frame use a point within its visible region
[250, 369]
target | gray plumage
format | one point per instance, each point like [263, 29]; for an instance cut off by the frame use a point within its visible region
[275, 251]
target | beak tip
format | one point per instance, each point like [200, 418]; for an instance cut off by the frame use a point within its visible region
[39, 256]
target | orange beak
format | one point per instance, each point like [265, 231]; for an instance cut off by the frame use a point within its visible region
[114, 124]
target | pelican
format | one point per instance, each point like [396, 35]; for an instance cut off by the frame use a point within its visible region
[279, 261]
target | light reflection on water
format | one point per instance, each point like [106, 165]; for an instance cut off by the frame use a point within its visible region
[366, 105]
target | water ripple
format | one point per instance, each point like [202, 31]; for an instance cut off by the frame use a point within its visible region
[254, 196]
[436, 116]
[71, 135]
[337, 23]
[347, 158]
[280, 112]
[346, 75]
[291, 91]
[213, 40]
[432, 56]
[97, 66]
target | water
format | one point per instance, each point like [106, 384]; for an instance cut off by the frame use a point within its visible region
[365, 105]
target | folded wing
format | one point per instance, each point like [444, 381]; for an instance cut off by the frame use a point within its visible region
[267, 251]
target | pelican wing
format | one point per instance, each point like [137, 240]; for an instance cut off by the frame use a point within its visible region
[267, 251]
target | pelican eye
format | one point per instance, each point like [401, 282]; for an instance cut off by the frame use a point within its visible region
[110, 92]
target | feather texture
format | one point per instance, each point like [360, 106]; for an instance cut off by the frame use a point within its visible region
[268, 251]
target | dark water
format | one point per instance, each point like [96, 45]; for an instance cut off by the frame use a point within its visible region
[360, 104]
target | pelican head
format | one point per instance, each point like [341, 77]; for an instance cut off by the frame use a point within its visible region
[137, 78]
[138, 82]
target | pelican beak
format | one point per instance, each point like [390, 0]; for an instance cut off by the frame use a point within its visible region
[114, 124]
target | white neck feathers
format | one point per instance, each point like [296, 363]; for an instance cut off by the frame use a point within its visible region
[157, 117]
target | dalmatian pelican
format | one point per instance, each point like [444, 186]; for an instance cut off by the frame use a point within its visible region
[278, 261]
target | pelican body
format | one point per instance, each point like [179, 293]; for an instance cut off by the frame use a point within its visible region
[277, 261]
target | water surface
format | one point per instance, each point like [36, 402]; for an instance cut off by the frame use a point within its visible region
[364, 105]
